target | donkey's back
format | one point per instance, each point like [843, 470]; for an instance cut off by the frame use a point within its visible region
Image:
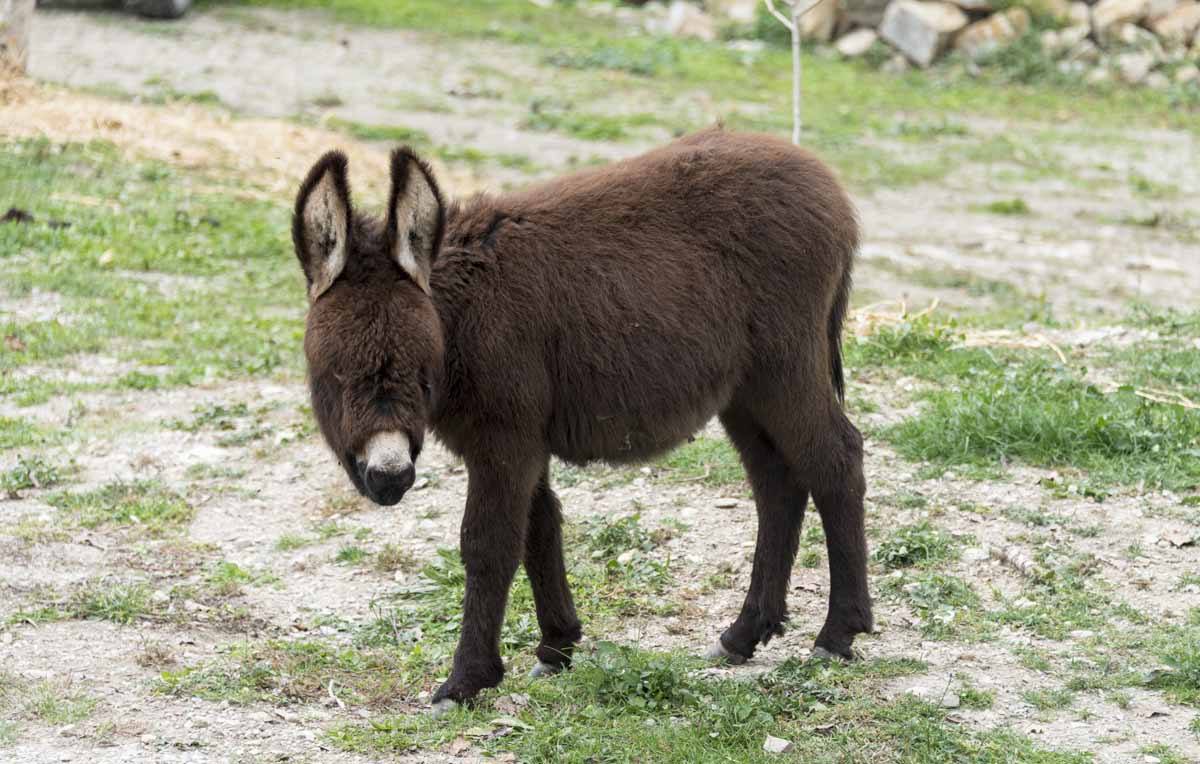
[639, 298]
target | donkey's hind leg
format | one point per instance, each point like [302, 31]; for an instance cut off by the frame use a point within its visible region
[839, 488]
[548, 579]
[780, 502]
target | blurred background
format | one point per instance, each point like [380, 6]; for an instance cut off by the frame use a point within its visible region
[186, 576]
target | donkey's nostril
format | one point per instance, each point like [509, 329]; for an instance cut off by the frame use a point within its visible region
[387, 486]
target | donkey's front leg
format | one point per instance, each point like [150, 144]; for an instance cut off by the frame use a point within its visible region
[500, 486]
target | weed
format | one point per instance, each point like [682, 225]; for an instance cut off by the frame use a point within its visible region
[350, 555]
[711, 461]
[1045, 415]
[392, 558]
[29, 472]
[1048, 700]
[56, 705]
[1015, 206]
[918, 544]
[143, 504]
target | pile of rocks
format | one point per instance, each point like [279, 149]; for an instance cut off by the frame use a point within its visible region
[1149, 42]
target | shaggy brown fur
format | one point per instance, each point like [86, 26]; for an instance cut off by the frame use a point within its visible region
[606, 315]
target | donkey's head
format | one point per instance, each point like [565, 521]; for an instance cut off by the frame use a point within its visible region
[373, 340]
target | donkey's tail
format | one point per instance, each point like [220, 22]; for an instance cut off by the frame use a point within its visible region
[837, 315]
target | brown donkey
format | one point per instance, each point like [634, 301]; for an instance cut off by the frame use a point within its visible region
[607, 316]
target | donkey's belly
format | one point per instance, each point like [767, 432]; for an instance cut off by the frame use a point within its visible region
[607, 427]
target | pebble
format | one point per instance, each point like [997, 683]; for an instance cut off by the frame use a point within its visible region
[776, 745]
[725, 503]
[1082, 634]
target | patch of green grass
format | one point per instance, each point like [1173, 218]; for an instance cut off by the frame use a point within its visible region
[56, 705]
[149, 251]
[624, 705]
[920, 544]
[418, 139]
[947, 606]
[350, 555]
[227, 578]
[1179, 649]
[553, 115]
[286, 672]
[29, 472]
[709, 461]
[291, 541]
[20, 433]
[110, 601]
[392, 558]
[1049, 700]
[1015, 206]
[9, 733]
[145, 505]
[1045, 415]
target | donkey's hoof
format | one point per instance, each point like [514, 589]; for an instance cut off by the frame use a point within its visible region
[821, 654]
[544, 669]
[442, 707]
[718, 653]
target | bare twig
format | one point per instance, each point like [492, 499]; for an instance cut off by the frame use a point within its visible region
[1016, 558]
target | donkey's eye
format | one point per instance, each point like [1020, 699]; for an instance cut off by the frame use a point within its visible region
[414, 239]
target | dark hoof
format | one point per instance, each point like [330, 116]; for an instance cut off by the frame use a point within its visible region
[442, 707]
[544, 669]
[718, 652]
[823, 654]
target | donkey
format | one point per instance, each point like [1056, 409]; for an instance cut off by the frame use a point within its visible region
[606, 315]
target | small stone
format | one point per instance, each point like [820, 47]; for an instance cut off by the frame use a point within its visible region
[997, 31]
[160, 597]
[857, 42]
[421, 484]
[737, 11]
[776, 745]
[686, 20]
[921, 30]
[863, 13]
[1148, 759]
[1186, 74]
[975, 554]
[951, 700]
[1087, 52]
[1082, 634]
[1080, 13]
[1107, 14]
[725, 503]
[1134, 67]
[1158, 81]
[626, 557]
[1135, 38]
[820, 22]
[148, 739]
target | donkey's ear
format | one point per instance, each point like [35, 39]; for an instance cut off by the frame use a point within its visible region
[321, 224]
[416, 217]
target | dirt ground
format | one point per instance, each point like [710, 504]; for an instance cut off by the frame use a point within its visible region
[272, 131]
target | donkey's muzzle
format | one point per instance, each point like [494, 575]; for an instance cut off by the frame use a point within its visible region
[386, 486]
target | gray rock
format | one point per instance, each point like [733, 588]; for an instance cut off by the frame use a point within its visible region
[819, 23]
[1086, 51]
[921, 30]
[1134, 67]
